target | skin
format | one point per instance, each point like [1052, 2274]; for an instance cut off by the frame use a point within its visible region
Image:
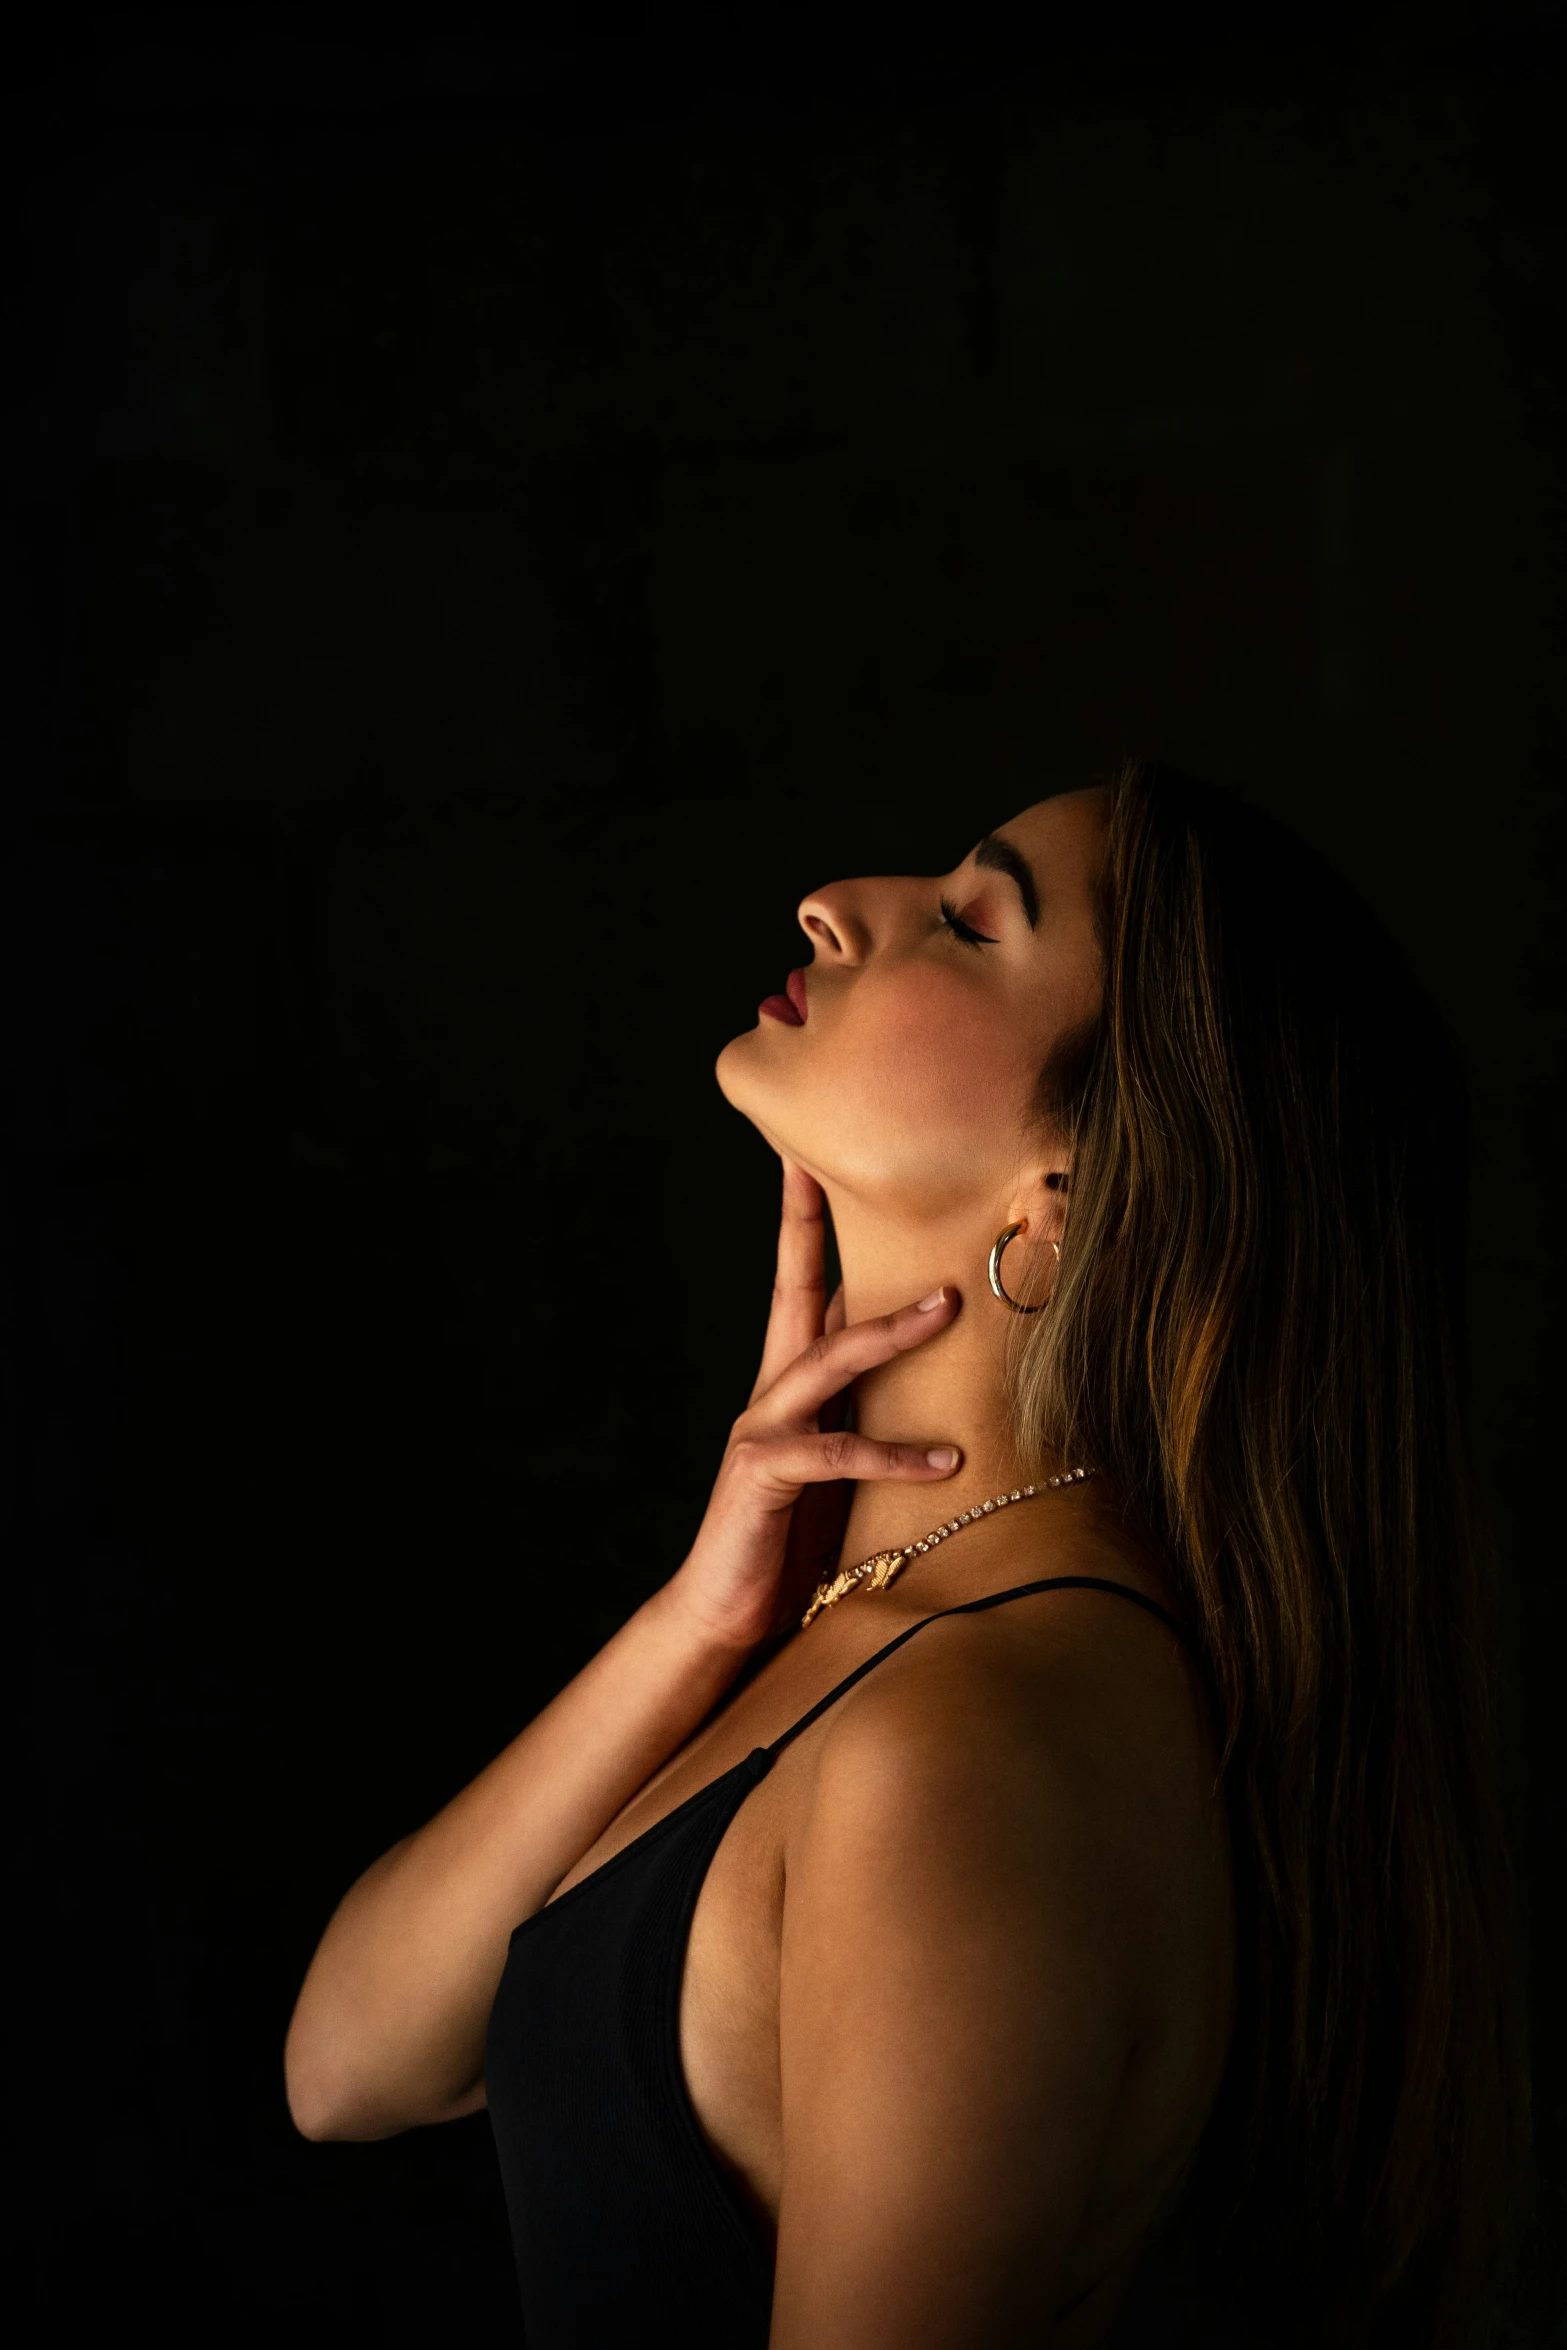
[957, 1994]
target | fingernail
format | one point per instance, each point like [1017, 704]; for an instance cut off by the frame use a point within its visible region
[928, 1305]
[942, 1456]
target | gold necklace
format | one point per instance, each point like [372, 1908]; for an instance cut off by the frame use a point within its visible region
[884, 1566]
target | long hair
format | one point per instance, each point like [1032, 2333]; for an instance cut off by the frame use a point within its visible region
[1255, 1335]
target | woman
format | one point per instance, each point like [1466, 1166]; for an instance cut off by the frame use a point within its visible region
[1096, 1904]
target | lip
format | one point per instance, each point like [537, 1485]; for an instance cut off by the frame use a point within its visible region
[790, 1009]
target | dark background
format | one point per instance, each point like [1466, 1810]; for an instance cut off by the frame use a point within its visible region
[491, 523]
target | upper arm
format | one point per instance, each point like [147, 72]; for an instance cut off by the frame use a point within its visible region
[959, 2007]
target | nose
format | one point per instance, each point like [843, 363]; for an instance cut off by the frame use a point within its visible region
[833, 919]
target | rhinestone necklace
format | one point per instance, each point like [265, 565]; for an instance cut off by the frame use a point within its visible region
[886, 1565]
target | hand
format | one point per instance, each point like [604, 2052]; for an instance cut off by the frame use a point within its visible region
[753, 1557]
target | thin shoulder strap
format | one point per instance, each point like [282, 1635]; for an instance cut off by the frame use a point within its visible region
[975, 1607]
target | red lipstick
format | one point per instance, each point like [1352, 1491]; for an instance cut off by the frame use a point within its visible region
[791, 1008]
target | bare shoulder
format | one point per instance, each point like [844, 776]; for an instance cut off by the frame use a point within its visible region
[1053, 1750]
[1004, 1970]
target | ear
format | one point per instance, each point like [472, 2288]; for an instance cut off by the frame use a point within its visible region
[1039, 1202]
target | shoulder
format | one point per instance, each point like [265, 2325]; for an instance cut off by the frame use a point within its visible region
[1049, 1758]
[1003, 1986]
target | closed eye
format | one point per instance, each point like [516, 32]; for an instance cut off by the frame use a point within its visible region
[961, 929]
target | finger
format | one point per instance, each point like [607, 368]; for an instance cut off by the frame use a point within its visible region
[835, 1411]
[831, 1361]
[779, 1467]
[799, 1283]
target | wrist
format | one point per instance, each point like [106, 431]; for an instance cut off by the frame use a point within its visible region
[684, 1614]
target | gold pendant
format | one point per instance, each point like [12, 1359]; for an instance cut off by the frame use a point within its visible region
[876, 1573]
[883, 1568]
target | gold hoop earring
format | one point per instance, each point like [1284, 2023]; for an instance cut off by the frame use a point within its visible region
[1004, 1241]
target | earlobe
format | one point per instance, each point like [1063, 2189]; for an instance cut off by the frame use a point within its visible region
[1050, 1221]
[1041, 1205]
[1039, 1210]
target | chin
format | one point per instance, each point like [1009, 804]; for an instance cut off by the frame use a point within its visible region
[748, 1085]
[737, 1073]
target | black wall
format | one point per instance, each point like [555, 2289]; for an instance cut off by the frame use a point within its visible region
[491, 524]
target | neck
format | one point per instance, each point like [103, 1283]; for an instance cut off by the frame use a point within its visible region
[952, 1390]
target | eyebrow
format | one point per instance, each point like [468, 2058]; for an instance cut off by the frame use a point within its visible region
[998, 853]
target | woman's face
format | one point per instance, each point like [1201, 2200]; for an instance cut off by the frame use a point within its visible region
[901, 1065]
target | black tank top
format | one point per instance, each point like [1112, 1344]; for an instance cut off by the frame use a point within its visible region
[626, 2230]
